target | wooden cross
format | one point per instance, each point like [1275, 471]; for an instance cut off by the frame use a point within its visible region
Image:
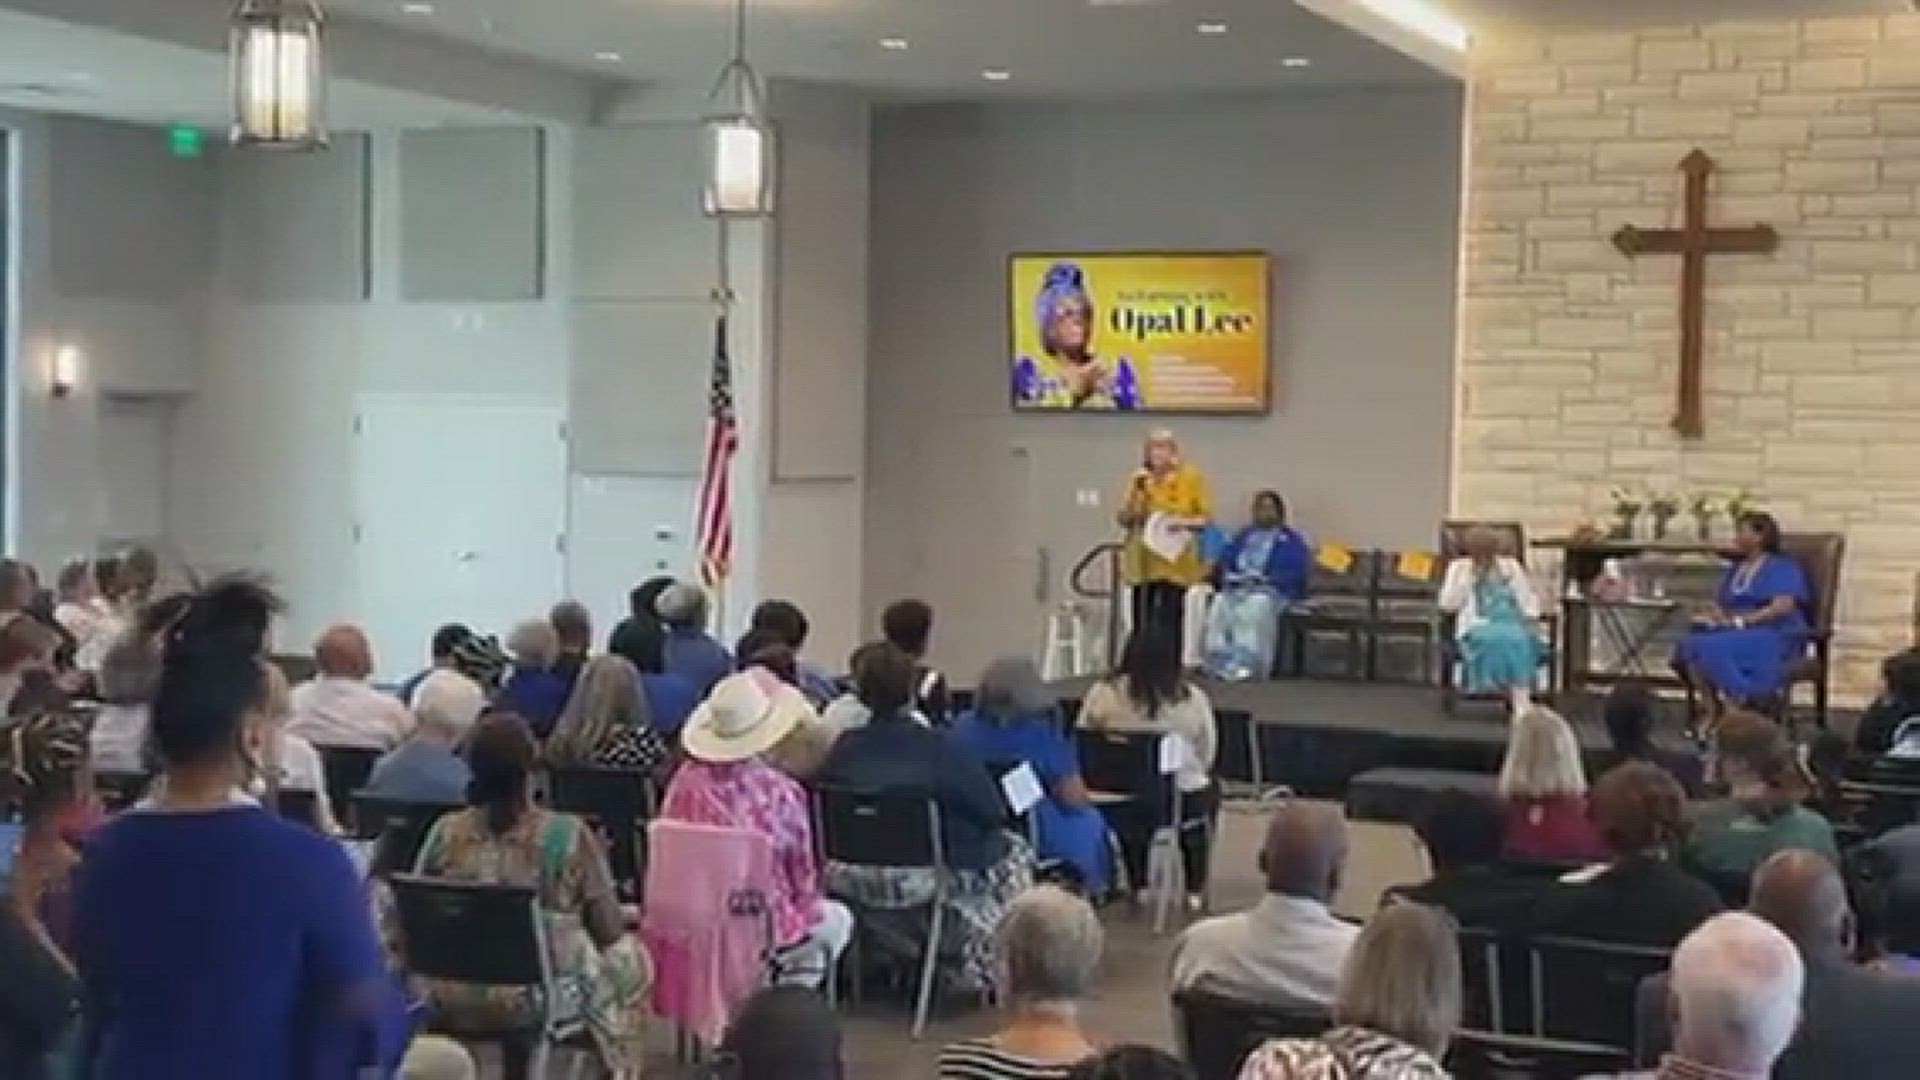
[1693, 241]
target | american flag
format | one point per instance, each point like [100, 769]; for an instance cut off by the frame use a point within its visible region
[714, 528]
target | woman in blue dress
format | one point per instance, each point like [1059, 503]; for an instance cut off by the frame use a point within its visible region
[1741, 646]
[1262, 572]
[1497, 620]
[1015, 720]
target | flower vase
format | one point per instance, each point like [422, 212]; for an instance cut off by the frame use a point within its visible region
[1703, 527]
[1625, 518]
[1661, 522]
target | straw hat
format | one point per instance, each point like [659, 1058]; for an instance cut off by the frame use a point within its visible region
[746, 715]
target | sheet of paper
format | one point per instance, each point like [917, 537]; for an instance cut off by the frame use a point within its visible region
[1334, 557]
[1175, 754]
[1022, 788]
[1164, 537]
[1416, 565]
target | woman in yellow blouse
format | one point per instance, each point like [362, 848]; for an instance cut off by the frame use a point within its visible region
[1164, 485]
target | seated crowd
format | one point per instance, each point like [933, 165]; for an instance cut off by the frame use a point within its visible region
[260, 945]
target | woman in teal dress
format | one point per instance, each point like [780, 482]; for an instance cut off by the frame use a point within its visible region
[1741, 646]
[1016, 721]
[1497, 614]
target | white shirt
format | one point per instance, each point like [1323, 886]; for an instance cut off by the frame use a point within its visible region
[1108, 708]
[298, 766]
[1284, 951]
[847, 712]
[119, 738]
[1456, 592]
[332, 711]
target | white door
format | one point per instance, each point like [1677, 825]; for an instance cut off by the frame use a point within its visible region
[623, 530]
[136, 453]
[462, 517]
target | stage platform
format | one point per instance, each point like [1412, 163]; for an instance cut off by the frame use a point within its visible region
[1315, 735]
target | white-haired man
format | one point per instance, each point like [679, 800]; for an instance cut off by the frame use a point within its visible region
[1736, 984]
[428, 768]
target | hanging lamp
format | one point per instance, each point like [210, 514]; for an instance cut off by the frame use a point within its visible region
[739, 140]
[279, 74]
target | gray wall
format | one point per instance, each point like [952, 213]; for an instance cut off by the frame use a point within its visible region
[1355, 194]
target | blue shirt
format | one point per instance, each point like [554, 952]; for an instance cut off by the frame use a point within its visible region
[539, 695]
[696, 657]
[898, 754]
[1036, 740]
[670, 700]
[420, 772]
[226, 945]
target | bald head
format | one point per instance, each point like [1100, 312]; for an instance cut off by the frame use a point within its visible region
[1305, 851]
[343, 653]
[1736, 993]
[1802, 893]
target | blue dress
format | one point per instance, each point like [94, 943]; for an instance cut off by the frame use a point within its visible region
[671, 699]
[539, 695]
[1075, 834]
[228, 944]
[1504, 650]
[1261, 572]
[1752, 662]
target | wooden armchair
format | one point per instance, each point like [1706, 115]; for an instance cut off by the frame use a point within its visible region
[1822, 556]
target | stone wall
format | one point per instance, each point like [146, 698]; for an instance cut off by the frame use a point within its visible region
[1568, 366]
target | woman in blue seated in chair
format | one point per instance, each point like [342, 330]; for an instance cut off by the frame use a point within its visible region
[1497, 611]
[1742, 645]
[1016, 721]
[1263, 571]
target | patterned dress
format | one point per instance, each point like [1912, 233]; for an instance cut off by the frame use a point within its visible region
[600, 969]
[1347, 1053]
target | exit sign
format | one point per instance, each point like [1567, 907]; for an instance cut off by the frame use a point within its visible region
[186, 141]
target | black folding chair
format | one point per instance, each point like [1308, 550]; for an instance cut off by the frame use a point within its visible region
[1339, 605]
[1218, 1033]
[1485, 1055]
[486, 935]
[1123, 770]
[876, 829]
[346, 769]
[120, 790]
[398, 827]
[616, 802]
[1587, 992]
[299, 806]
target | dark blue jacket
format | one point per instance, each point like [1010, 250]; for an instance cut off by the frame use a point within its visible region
[901, 755]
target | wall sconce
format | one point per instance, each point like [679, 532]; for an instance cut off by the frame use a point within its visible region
[64, 374]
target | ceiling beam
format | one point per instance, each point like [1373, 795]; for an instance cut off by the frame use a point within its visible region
[1421, 29]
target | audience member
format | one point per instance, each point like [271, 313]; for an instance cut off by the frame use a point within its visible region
[1855, 1022]
[573, 625]
[428, 768]
[19, 584]
[1735, 990]
[605, 724]
[786, 623]
[78, 611]
[1399, 1003]
[1048, 950]
[1463, 834]
[764, 648]
[45, 784]
[1016, 721]
[129, 673]
[339, 707]
[139, 576]
[506, 839]
[484, 661]
[1543, 786]
[436, 1057]
[1151, 693]
[987, 867]
[1762, 813]
[782, 1033]
[1132, 1062]
[690, 652]
[1632, 712]
[907, 625]
[727, 781]
[641, 637]
[1287, 950]
[214, 938]
[847, 711]
[1886, 902]
[1899, 702]
[536, 690]
[39, 998]
[1640, 897]
[289, 762]
[26, 665]
[445, 640]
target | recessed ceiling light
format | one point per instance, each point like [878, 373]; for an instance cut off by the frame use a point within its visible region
[1296, 62]
[895, 44]
[1211, 28]
[608, 56]
[996, 75]
[414, 7]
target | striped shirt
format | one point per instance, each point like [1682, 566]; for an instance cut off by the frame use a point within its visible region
[979, 1059]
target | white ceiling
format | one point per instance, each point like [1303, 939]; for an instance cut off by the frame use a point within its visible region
[1053, 48]
[1600, 14]
[48, 66]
